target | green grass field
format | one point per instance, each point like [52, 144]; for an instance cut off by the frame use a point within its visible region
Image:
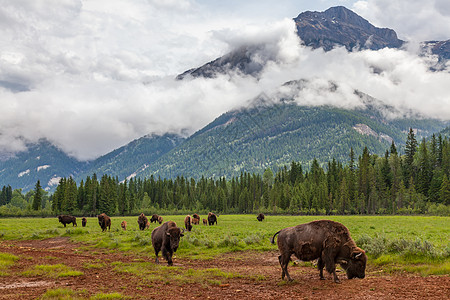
[412, 243]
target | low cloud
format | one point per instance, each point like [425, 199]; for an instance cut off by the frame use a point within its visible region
[91, 80]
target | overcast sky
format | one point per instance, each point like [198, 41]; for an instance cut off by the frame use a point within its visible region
[92, 75]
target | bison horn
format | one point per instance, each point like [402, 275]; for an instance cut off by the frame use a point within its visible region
[358, 255]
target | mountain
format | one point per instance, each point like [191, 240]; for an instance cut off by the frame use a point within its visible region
[272, 136]
[341, 26]
[41, 161]
[337, 26]
[134, 157]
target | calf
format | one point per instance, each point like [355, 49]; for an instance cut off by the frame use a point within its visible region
[160, 219]
[123, 225]
[83, 222]
[205, 222]
[325, 240]
[166, 238]
[154, 218]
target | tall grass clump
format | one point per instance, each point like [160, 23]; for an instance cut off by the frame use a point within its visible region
[6, 260]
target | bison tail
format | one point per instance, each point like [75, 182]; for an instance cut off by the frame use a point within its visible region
[272, 240]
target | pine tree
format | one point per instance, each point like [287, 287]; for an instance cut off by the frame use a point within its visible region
[410, 151]
[37, 200]
[445, 191]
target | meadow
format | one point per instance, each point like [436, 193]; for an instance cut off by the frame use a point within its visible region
[386, 239]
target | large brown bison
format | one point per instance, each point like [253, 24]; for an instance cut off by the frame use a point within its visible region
[166, 238]
[188, 223]
[212, 218]
[260, 217]
[83, 222]
[66, 219]
[142, 221]
[326, 240]
[154, 218]
[160, 219]
[104, 221]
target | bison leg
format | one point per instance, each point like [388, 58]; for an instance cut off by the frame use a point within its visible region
[167, 256]
[284, 261]
[321, 265]
[329, 254]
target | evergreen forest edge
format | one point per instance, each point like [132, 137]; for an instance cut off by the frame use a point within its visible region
[414, 183]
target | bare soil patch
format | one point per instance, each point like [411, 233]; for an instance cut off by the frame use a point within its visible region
[259, 277]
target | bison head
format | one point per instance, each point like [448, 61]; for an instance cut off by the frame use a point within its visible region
[355, 267]
[174, 235]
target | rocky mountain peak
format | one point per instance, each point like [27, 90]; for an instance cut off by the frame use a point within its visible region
[341, 26]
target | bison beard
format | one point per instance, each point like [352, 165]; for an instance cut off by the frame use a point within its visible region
[325, 240]
[166, 238]
[142, 221]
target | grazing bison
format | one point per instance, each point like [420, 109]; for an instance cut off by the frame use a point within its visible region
[66, 219]
[123, 225]
[326, 240]
[260, 217]
[142, 221]
[212, 218]
[104, 221]
[195, 219]
[83, 222]
[160, 219]
[166, 238]
[205, 222]
[154, 218]
[188, 223]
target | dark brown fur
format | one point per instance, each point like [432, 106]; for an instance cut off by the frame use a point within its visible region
[195, 219]
[160, 219]
[212, 218]
[142, 221]
[154, 218]
[166, 238]
[205, 222]
[325, 240]
[83, 222]
[188, 223]
[260, 217]
[104, 221]
[66, 219]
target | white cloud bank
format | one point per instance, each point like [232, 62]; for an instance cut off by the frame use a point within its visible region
[91, 76]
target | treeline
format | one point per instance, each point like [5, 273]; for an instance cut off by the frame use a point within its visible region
[413, 183]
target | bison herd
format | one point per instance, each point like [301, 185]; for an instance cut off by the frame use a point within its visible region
[327, 241]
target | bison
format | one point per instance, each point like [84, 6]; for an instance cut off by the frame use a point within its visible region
[205, 222]
[260, 217]
[123, 225]
[83, 222]
[188, 223]
[142, 221]
[160, 219]
[154, 218]
[166, 238]
[212, 218]
[66, 219]
[147, 226]
[104, 221]
[196, 219]
[326, 240]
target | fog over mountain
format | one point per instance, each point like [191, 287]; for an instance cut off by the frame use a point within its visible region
[92, 76]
